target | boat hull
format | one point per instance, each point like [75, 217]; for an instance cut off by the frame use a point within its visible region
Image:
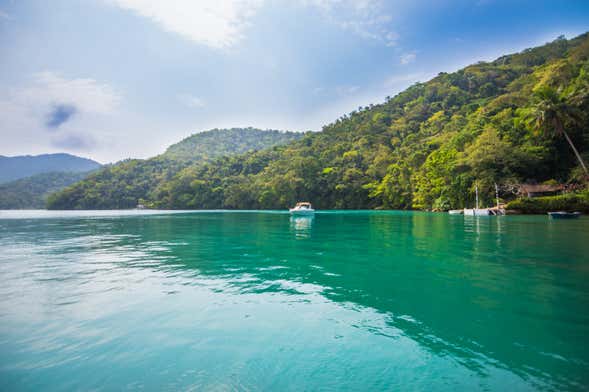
[476, 212]
[564, 215]
[306, 212]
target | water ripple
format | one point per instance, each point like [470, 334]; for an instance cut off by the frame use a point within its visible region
[353, 301]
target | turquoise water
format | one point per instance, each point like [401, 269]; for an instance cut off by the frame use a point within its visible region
[261, 301]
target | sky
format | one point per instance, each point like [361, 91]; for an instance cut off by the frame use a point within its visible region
[116, 79]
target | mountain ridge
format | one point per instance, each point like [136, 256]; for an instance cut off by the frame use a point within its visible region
[22, 166]
[126, 183]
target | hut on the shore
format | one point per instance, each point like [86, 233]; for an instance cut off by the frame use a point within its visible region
[536, 190]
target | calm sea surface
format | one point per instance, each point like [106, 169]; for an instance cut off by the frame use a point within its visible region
[361, 301]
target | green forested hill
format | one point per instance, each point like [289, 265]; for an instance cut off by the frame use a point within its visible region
[215, 143]
[123, 184]
[31, 192]
[424, 148]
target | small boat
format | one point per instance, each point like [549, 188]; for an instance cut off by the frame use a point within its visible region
[477, 212]
[564, 215]
[456, 212]
[302, 208]
[484, 211]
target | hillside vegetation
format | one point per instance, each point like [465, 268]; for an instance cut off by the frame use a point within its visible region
[216, 143]
[13, 168]
[541, 205]
[31, 192]
[124, 184]
[425, 148]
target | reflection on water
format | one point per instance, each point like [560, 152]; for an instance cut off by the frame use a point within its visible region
[369, 300]
[301, 225]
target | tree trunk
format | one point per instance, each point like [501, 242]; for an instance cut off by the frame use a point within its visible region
[566, 135]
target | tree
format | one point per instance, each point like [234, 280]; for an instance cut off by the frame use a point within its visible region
[551, 111]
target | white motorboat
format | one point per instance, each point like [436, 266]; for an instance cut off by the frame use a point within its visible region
[302, 208]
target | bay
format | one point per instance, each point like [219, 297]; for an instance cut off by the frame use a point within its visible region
[249, 300]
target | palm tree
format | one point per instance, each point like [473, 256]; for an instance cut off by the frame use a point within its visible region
[551, 111]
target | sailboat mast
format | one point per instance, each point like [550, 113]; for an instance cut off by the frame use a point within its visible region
[497, 195]
[476, 189]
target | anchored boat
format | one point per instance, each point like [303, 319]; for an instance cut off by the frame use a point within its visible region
[302, 208]
[476, 211]
[564, 215]
[484, 211]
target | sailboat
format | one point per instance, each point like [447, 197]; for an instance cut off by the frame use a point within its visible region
[477, 211]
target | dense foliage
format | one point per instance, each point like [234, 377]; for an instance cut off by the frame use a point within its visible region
[215, 143]
[426, 148]
[541, 205]
[31, 192]
[125, 184]
[13, 168]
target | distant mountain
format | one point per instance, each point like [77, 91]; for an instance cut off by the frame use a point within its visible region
[124, 184]
[13, 168]
[31, 192]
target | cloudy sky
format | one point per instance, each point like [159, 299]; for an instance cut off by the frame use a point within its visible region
[111, 79]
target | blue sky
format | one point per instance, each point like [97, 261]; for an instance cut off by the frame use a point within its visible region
[112, 79]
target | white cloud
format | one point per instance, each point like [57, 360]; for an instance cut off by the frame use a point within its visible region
[398, 82]
[215, 23]
[336, 91]
[408, 58]
[191, 101]
[222, 23]
[87, 95]
[26, 112]
[347, 90]
[365, 18]
[318, 90]
[391, 38]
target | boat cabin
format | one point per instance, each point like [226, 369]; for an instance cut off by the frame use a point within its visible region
[303, 205]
